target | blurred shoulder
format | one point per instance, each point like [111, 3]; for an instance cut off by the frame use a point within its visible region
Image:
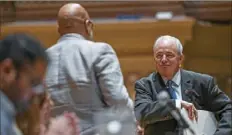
[102, 46]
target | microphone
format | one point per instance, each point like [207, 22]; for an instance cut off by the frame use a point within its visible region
[163, 99]
[194, 97]
[115, 121]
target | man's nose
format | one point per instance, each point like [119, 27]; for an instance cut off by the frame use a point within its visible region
[164, 59]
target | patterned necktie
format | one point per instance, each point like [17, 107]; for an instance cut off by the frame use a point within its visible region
[171, 90]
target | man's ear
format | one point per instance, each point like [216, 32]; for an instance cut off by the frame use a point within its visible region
[182, 57]
[87, 28]
[7, 70]
[7, 66]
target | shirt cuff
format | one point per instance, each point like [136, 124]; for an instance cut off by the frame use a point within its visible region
[178, 104]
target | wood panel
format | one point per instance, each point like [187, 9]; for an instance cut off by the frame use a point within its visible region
[207, 4]
[209, 10]
[7, 13]
[135, 67]
[137, 64]
[48, 10]
[209, 65]
[89, 4]
[126, 37]
[210, 41]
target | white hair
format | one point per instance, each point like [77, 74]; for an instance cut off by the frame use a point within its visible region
[179, 46]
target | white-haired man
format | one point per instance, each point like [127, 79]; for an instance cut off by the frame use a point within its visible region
[181, 85]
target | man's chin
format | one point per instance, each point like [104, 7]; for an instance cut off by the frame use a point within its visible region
[164, 74]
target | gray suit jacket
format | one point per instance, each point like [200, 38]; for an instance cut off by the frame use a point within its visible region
[85, 77]
[156, 119]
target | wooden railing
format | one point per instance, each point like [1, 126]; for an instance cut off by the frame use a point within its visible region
[48, 10]
[7, 12]
[45, 10]
[206, 10]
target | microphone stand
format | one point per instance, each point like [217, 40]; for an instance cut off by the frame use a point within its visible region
[164, 101]
[183, 124]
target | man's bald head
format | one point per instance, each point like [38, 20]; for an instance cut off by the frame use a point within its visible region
[73, 18]
[72, 10]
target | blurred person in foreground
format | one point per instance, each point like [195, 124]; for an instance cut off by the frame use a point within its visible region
[178, 82]
[37, 121]
[84, 76]
[20, 56]
[24, 103]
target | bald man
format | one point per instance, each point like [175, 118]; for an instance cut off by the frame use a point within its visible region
[84, 76]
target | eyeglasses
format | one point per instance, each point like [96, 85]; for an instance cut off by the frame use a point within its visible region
[161, 56]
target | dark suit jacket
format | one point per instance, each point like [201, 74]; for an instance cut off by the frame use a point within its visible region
[157, 121]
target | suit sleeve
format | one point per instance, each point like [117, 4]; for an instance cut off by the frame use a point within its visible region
[110, 78]
[146, 109]
[220, 104]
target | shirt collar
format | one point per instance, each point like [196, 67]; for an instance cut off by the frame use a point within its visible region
[6, 105]
[70, 35]
[176, 79]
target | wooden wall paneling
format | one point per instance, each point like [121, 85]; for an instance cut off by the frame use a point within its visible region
[90, 4]
[137, 64]
[135, 67]
[7, 13]
[220, 50]
[209, 10]
[130, 79]
[207, 4]
[48, 10]
[210, 41]
[126, 37]
[209, 65]
[138, 37]
[46, 33]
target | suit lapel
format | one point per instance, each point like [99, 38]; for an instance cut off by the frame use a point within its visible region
[186, 84]
[158, 82]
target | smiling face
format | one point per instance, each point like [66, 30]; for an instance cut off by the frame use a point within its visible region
[167, 59]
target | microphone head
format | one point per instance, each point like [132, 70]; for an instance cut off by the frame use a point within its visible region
[115, 122]
[163, 95]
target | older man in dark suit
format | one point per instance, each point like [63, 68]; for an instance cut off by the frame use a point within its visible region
[178, 83]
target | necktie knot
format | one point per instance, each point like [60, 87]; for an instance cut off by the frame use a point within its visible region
[170, 84]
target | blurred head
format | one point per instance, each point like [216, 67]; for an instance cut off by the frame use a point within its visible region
[168, 56]
[73, 18]
[22, 66]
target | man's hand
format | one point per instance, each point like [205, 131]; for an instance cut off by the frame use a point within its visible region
[192, 111]
[66, 124]
[140, 130]
[45, 110]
